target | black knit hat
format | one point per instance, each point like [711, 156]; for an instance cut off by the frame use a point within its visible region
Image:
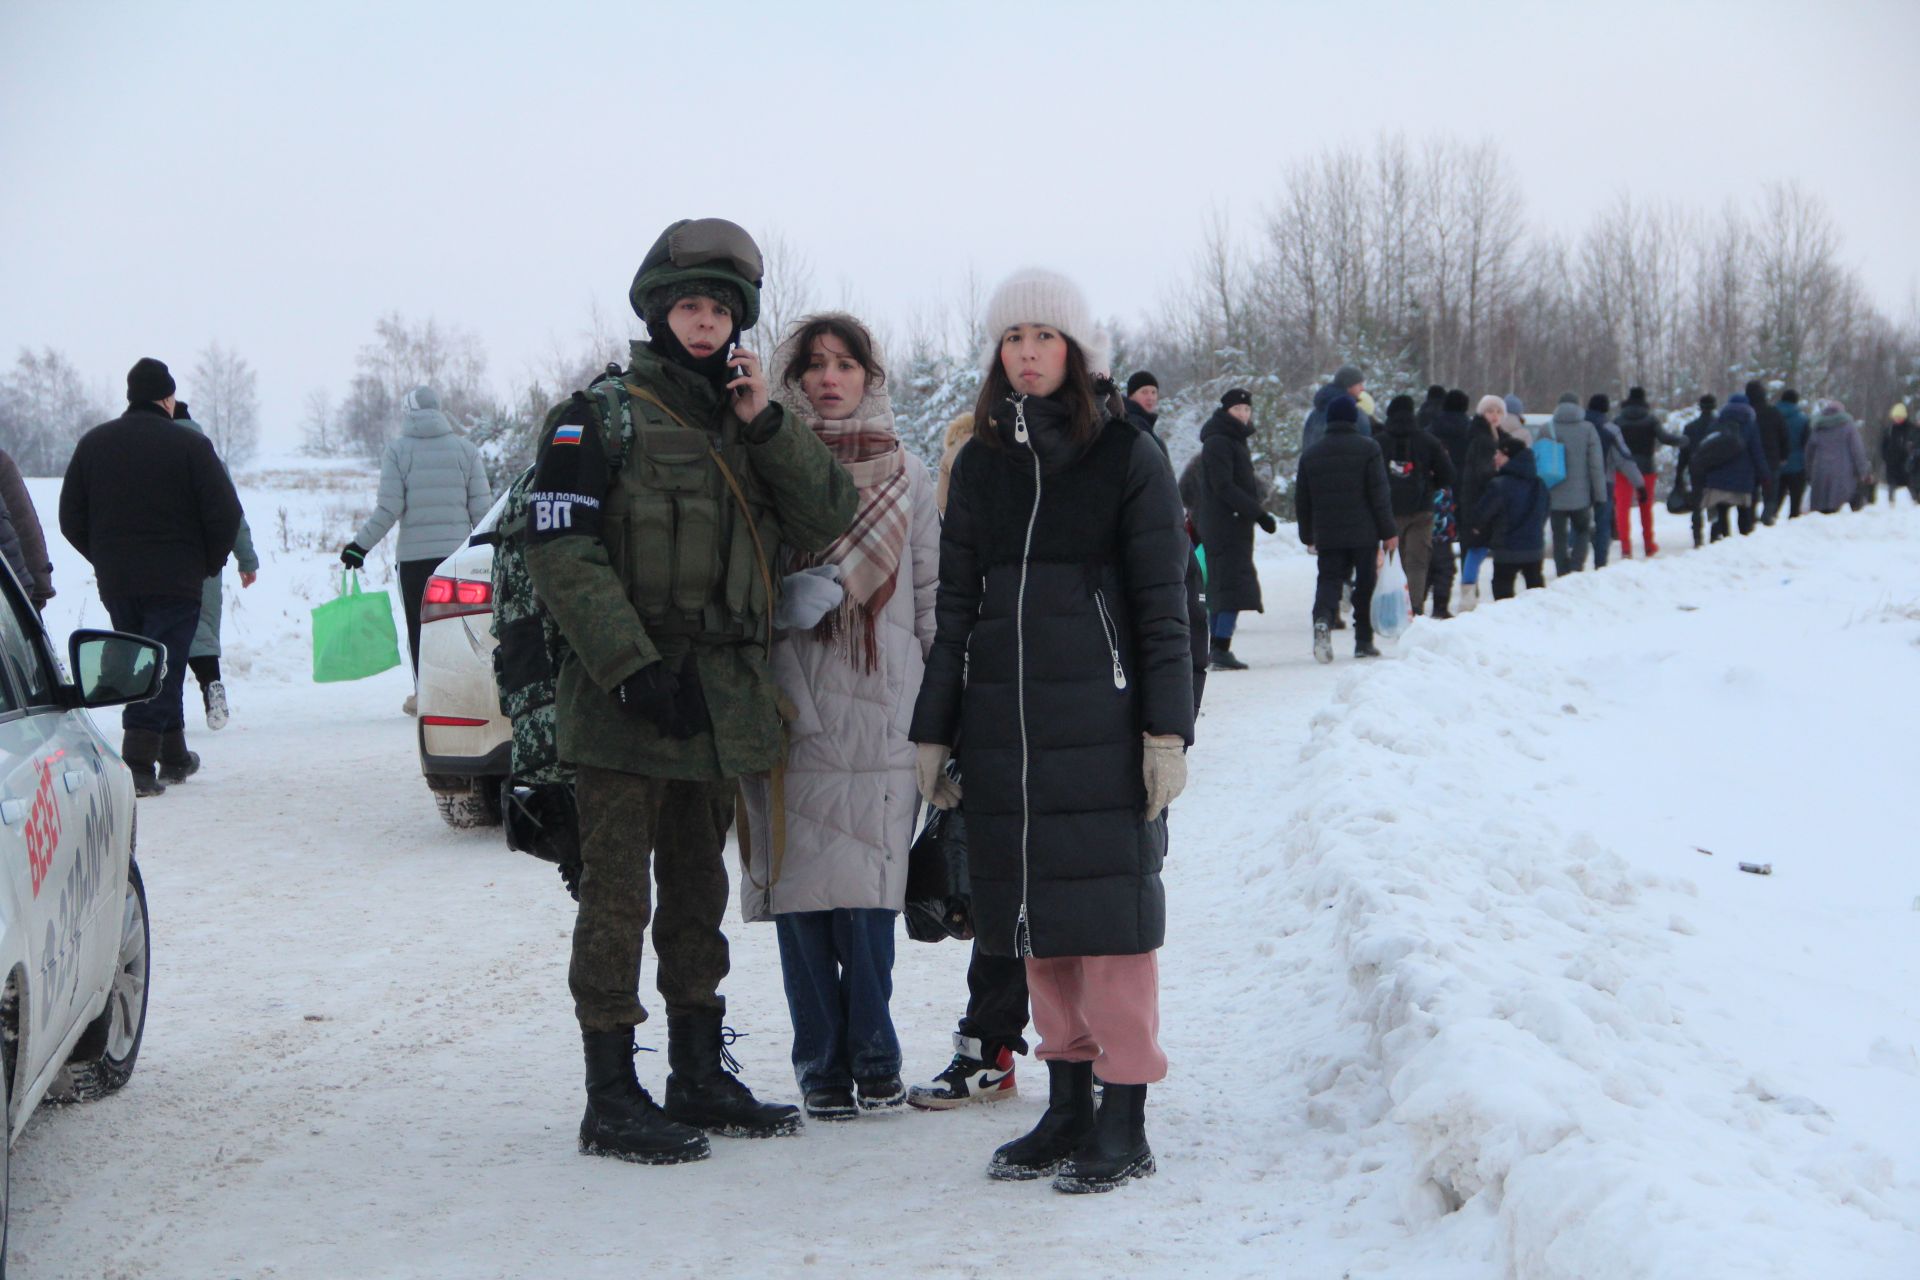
[1636, 395]
[1141, 378]
[1598, 402]
[658, 302]
[147, 381]
[1456, 401]
[1239, 395]
[1708, 404]
[1400, 407]
[1436, 392]
[1343, 409]
[1789, 396]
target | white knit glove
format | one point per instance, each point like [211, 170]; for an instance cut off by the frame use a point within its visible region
[930, 772]
[808, 596]
[1164, 769]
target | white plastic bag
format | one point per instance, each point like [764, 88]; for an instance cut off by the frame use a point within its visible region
[1392, 605]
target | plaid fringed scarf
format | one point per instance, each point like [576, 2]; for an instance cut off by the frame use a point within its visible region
[869, 552]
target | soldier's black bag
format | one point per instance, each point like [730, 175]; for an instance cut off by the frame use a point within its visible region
[939, 889]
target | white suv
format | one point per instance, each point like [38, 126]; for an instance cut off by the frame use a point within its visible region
[465, 743]
[73, 913]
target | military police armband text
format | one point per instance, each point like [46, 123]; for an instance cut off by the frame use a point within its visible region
[570, 480]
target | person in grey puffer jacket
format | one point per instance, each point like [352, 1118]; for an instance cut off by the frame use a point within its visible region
[1585, 487]
[203, 655]
[434, 484]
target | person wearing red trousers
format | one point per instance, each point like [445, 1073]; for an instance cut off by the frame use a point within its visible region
[1644, 434]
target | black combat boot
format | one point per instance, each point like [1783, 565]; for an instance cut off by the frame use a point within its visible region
[177, 764]
[1064, 1125]
[140, 748]
[1116, 1151]
[702, 1090]
[622, 1120]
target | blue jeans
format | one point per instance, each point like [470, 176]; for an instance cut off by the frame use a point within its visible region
[838, 967]
[1471, 561]
[172, 621]
[1223, 624]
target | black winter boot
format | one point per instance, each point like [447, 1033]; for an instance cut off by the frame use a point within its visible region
[1220, 657]
[622, 1120]
[177, 764]
[1116, 1151]
[140, 748]
[1063, 1127]
[703, 1091]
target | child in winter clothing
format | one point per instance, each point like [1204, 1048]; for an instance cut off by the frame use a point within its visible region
[1440, 573]
[1512, 517]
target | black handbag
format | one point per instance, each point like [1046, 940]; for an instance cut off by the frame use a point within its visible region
[939, 890]
[1680, 497]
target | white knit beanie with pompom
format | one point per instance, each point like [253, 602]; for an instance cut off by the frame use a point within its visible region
[1035, 296]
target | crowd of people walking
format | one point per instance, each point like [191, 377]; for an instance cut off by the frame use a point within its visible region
[750, 601]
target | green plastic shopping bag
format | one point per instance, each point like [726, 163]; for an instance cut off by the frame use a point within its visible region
[353, 634]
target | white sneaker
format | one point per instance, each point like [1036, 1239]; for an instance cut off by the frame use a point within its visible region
[217, 716]
[411, 706]
[1469, 597]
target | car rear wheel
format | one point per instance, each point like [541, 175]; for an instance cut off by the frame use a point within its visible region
[103, 1059]
[479, 806]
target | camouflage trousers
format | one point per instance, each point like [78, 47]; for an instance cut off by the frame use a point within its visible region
[634, 830]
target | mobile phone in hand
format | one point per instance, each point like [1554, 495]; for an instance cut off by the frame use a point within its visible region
[738, 370]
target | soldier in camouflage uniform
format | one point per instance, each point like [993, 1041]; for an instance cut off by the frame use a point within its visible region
[658, 505]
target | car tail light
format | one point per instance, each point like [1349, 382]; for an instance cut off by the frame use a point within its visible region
[455, 597]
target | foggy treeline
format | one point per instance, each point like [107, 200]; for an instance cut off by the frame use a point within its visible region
[1416, 261]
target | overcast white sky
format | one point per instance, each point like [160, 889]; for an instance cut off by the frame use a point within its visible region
[272, 179]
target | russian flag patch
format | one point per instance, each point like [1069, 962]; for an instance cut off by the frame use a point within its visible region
[567, 433]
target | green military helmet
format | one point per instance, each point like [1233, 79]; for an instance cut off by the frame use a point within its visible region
[710, 249]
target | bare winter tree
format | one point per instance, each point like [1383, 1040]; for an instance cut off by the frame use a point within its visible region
[787, 293]
[44, 409]
[319, 430]
[226, 401]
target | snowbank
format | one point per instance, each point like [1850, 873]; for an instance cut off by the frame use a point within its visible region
[1544, 967]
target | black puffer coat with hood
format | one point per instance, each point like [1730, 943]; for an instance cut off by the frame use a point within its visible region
[1061, 639]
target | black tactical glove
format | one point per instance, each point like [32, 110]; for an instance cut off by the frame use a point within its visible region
[1266, 521]
[353, 555]
[673, 702]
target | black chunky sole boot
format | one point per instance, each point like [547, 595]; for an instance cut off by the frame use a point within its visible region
[1065, 1124]
[1116, 1152]
[177, 764]
[702, 1090]
[622, 1120]
[140, 748]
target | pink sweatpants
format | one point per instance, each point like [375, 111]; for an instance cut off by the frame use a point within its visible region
[1100, 1009]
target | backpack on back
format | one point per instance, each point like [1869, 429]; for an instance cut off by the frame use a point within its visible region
[1550, 458]
[1716, 451]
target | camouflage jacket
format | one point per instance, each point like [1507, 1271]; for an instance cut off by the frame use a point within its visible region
[800, 498]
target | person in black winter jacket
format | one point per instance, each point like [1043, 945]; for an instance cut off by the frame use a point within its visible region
[1229, 507]
[1345, 512]
[1060, 673]
[1450, 428]
[1897, 451]
[1417, 468]
[1512, 517]
[147, 502]
[1644, 434]
[1774, 446]
[1430, 407]
[1691, 438]
[1142, 412]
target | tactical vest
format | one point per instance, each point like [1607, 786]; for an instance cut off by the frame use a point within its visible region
[675, 537]
[673, 527]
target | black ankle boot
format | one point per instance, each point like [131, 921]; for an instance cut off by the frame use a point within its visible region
[1063, 1127]
[177, 764]
[702, 1090]
[140, 748]
[1116, 1151]
[622, 1120]
[1220, 657]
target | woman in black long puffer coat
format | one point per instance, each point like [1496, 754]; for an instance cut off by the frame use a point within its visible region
[1228, 509]
[1061, 673]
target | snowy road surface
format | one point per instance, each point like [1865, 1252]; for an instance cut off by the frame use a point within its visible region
[1448, 990]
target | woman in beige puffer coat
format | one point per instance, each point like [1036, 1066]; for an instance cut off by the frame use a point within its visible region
[838, 879]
